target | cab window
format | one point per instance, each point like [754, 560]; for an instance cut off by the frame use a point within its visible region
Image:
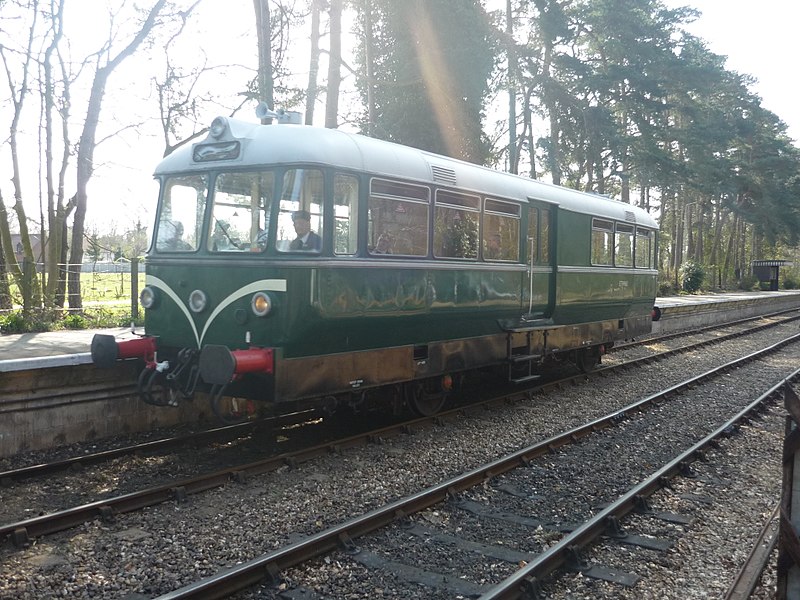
[299, 227]
[240, 214]
[181, 217]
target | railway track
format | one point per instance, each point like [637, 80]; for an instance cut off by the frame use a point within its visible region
[524, 551]
[221, 435]
[21, 532]
[330, 451]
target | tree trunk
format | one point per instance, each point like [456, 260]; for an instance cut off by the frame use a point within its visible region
[334, 66]
[513, 160]
[264, 31]
[313, 68]
[369, 49]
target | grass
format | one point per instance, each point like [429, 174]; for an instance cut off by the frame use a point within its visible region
[106, 299]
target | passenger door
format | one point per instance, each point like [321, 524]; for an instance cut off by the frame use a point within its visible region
[540, 292]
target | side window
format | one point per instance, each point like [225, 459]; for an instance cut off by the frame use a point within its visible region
[455, 228]
[644, 248]
[345, 207]
[544, 236]
[500, 230]
[398, 218]
[299, 227]
[240, 215]
[602, 242]
[181, 218]
[623, 245]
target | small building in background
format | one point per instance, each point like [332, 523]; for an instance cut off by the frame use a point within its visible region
[768, 271]
[36, 242]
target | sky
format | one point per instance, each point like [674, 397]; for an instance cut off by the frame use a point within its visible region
[760, 38]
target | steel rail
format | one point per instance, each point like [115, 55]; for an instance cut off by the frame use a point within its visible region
[220, 432]
[525, 580]
[749, 575]
[269, 565]
[21, 532]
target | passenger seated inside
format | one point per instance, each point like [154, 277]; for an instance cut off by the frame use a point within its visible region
[221, 239]
[174, 240]
[306, 239]
[384, 244]
[493, 249]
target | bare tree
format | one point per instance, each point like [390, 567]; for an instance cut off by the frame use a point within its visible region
[18, 91]
[57, 210]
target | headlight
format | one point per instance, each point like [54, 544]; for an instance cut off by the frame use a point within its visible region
[218, 127]
[261, 304]
[198, 301]
[148, 297]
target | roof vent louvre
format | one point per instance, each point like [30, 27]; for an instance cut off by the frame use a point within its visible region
[630, 216]
[443, 175]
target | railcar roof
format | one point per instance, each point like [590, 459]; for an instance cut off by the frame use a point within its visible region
[292, 144]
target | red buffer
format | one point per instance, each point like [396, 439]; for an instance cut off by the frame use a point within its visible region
[219, 365]
[106, 350]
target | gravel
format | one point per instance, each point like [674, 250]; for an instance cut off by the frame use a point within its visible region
[158, 549]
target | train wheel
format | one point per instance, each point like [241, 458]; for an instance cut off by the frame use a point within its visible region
[587, 359]
[424, 398]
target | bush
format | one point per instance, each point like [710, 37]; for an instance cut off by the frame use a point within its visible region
[13, 322]
[692, 275]
[75, 321]
[16, 322]
[665, 287]
[790, 283]
[749, 283]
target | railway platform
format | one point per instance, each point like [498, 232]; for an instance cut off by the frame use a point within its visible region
[71, 347]
[685, 312]
[51, 394]
[20, 352]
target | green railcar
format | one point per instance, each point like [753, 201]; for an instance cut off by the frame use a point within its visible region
[291, 264]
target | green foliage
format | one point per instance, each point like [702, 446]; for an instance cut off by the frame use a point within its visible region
[16, 322]
[665, 286]
[13, 322]
[691, 275]
[749, 283]
[75, 321]
[790, 282]
[431, 61]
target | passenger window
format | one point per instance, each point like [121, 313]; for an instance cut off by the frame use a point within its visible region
[240, 215]
[602, 242]
[345, 205]
[644, 249]
[455, 229]
[299, 227]
[623, 246]
[500, 230]
[398, 218]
